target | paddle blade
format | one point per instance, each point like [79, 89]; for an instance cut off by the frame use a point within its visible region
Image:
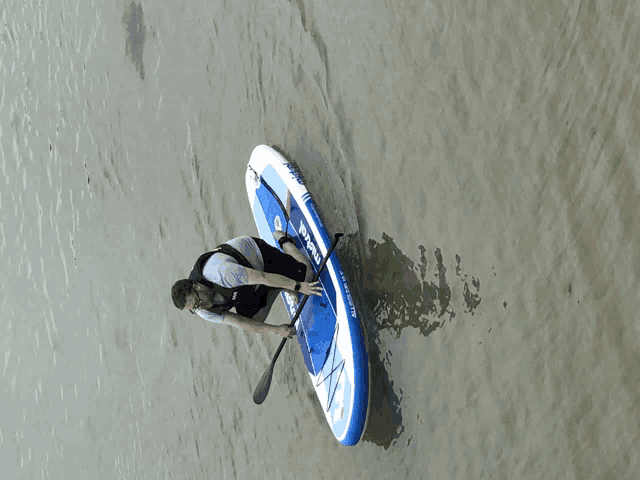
[262, 389]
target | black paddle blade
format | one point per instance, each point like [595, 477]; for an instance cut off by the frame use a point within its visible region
[262, 389]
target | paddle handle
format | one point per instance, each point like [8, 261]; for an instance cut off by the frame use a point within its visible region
[336, 237]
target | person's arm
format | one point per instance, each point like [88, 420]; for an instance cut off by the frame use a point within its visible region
[280, 281]
[254, 326]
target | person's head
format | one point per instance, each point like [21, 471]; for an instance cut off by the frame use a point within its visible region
[180, 291]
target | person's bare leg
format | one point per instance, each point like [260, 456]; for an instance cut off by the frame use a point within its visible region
[290, 249]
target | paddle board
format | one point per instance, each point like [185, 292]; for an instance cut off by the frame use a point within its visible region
[329, 330]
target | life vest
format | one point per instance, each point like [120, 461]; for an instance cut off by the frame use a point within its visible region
[247, 299]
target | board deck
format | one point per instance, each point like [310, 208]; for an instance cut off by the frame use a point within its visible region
[329, 329]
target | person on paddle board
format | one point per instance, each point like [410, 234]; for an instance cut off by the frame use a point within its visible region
[246, 274]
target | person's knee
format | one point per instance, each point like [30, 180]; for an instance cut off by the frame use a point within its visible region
[291, 250]
[308, 276]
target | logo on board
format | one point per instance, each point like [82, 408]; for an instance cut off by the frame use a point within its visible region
[294, 173]
[311, 247]
[352, 307]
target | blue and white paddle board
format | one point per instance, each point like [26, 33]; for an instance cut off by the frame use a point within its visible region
[329, 329]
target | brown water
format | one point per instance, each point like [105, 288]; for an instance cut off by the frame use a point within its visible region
[482, 158]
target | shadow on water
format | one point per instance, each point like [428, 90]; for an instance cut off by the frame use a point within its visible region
[395, 293]
[136, 33]
[401, 294]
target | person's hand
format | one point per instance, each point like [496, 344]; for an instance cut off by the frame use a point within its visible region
[311, 288]
[285, 331]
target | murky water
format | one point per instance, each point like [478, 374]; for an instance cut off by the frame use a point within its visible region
[481, 158]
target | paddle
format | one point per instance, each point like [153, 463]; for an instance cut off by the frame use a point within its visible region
[262, 389]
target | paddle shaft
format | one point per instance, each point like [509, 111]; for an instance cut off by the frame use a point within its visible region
[306, 297]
